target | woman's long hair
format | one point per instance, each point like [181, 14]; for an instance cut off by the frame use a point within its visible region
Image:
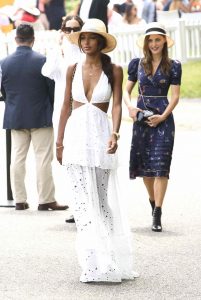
[128, 15]
[105, 59]
[147, 60]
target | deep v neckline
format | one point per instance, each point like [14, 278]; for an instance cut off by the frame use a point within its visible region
[97, 83]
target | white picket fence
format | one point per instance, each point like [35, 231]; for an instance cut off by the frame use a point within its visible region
[185, 32]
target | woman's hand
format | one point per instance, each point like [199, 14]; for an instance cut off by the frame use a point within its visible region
[112, 144]
[155, 120]
[59, 153]
[133, 112]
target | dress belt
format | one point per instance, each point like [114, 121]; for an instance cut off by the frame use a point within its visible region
[152, 96]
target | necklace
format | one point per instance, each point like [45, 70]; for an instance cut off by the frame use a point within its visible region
[93, 70]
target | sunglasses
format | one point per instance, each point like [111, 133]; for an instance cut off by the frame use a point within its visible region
[71, 29]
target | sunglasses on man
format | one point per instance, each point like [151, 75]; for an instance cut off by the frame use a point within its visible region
[71, 29]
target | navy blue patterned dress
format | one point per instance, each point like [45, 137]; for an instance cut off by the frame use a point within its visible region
[151, 147]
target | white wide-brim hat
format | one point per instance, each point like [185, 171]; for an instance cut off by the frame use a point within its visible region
[155, 28]
[95, 26]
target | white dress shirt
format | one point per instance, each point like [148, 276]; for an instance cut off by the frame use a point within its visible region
[84, 9]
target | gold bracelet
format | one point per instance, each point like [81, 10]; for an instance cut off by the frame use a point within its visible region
[116, 134]
[59, 147]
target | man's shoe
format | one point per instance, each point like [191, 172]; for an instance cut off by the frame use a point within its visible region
[53, 206]
[70, 219]
[21, 206]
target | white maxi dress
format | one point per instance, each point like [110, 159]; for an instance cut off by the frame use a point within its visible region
[103, 237]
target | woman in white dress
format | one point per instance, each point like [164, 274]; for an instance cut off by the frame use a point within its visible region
[86, 145]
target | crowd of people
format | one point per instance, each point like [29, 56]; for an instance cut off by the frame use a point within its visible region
[41, 14]
[47, 14]
[84, 81]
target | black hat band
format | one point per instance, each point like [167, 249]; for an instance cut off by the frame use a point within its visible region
[156, 29]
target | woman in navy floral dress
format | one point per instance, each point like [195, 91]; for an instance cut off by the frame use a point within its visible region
[153, 140]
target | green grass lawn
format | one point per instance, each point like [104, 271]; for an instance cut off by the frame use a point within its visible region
[191, 80]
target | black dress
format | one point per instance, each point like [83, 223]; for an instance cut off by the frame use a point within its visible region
[151, 147]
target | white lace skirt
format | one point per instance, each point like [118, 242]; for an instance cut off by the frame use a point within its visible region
[103, 237]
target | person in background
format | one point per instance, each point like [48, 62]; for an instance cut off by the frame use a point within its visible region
[54, 11]
[149, 11]
[169, 2]
[153, 135]
[28, 13]
[115, 19]
[87, 145]
[122, 7]
[88, 9]
[160, 5]
[29, 101]
[59, 58]
[180, 6]
[131, 17]
[57, 63]
[40, 4]
[23, 11]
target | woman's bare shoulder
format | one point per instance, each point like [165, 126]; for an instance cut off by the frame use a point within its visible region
[117, 69]
[71, 69]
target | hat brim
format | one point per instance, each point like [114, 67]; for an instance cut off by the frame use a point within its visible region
[140, 41]
[110, 39]
[33, 11]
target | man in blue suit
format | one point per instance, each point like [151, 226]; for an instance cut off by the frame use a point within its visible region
[29, 100]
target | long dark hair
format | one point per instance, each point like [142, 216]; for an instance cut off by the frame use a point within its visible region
[106, 62]
[147, 60]
[128, 15]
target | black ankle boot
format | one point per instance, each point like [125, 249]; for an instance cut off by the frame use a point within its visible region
[152, 202]
[156, 226]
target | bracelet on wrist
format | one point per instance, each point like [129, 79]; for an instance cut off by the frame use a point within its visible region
[116, 134]
[59, 147]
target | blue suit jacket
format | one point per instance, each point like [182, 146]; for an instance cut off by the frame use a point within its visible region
[29, 96]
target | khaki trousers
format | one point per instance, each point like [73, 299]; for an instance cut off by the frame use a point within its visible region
[42, 140]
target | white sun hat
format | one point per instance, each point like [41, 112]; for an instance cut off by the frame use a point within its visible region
[95, 26]
[155, 28]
